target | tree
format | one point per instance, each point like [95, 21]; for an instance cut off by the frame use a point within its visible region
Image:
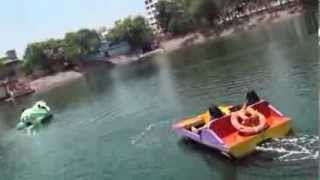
[309, 3]
[81, 43]
[134, 30]
[181, 16]
[1, 65]
[167, 10]
[173, 16]
[35, 57]
[204, 12]
[180, 25]
[44, 55]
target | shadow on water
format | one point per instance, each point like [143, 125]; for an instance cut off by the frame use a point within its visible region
[216, 162]
[101, 84]
[136, 70]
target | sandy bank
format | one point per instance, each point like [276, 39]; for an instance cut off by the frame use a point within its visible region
[58, 79]
[254, 21]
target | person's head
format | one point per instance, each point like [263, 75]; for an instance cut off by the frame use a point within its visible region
[215, 112]
[252, 97]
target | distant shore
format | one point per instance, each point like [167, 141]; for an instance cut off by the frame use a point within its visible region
[195, 38]
[55, 80]
[126, 59]
[175, 43]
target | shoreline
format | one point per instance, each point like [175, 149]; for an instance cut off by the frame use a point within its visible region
[255, 21]
[126, 59]
[52, 81]
[178, 42]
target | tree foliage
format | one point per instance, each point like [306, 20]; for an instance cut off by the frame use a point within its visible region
[34, 58]
[1, 65]
[167, 11]
[134, 30]
[309, 3]
[80, 43]
[204, 12]
[180, 25]
[44, 55]
[181, 16]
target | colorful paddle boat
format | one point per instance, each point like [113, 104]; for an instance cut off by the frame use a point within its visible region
[235, 131]
[34, 116]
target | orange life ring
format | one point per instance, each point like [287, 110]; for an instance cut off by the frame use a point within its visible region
[242, 121]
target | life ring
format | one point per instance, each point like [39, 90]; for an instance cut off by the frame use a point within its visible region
[248, 121]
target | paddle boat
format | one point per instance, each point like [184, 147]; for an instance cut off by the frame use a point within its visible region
[235, 131]
[34, 116]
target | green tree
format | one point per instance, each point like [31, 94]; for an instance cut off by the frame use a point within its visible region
[167, 10]
[181, 16]
[204, 12]
[309, 3]
[134, 30]
[44, 55]
[81, 43]
[1, 65]
[173, 16]
[53, 49]
[34, 58]
[180, 25]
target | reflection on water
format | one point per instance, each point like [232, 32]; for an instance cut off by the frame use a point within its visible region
[116, 122]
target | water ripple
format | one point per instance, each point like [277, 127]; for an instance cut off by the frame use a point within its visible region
[305, 147]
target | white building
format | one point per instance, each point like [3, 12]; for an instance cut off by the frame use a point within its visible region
[152, 13]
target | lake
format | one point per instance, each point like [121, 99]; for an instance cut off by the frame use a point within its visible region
[115, 123]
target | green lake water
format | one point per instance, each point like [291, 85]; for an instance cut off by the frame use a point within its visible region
[115, 123]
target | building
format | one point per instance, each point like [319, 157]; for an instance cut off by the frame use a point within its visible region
[111, 50]
[11, 54]
[151, 14]
[10, 66]
[108, 50]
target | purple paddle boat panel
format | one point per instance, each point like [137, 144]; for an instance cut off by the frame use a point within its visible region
[205, 136]
[189, 134]
[208, 137]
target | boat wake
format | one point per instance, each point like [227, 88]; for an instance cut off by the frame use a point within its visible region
[305, 147]
[144, 138]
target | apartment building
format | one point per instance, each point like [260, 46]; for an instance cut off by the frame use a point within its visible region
[151, 14]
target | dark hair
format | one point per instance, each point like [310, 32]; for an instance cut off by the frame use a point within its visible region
[215, 112]
[252, 97]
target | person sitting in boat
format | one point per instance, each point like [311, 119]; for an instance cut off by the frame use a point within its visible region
[252, 98]
[218, 111]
